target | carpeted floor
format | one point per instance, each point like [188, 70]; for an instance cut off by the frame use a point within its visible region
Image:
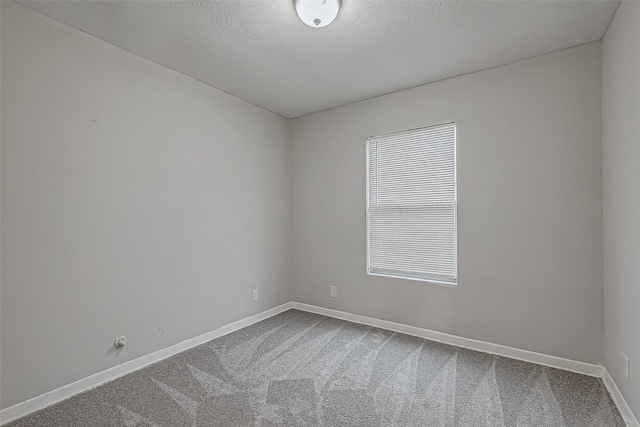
[301, 369]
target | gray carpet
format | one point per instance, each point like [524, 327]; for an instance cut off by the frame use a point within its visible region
[301, 369]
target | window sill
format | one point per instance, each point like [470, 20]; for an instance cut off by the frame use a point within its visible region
[417, 279]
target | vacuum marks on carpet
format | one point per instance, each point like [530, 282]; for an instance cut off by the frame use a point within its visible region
[301, 369]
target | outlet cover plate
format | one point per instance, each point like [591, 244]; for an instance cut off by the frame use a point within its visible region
[256, 294]
[626, 366]
[334, 291]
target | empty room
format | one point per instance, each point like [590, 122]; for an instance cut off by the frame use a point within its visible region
[320, 213]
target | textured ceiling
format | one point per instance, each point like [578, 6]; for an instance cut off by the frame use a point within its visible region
[260, 51]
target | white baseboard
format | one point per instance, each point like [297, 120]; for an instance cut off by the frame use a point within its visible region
[619, 400]
[24, 408]
[487, 347]
[483, 346]
[39, 402]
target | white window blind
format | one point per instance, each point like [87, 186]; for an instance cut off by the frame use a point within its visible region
[411, 212]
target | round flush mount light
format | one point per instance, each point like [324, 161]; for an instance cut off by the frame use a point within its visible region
[317, 13]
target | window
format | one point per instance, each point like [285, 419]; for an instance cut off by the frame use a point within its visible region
[411, 204]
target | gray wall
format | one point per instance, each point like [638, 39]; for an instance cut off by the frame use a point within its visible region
[529, 194]
[135, 200]
[621, 198]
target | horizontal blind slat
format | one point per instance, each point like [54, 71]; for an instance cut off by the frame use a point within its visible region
[412, 203]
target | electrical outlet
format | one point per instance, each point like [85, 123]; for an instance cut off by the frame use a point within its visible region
[256, 294]
[334, 291]
[626, 366]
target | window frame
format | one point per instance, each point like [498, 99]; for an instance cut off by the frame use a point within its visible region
[412, 276]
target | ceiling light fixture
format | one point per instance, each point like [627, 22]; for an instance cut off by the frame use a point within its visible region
[317, 13]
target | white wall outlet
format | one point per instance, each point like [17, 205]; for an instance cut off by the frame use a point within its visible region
[256, 294]
[626, 366]
[120, 342]
[334, 291]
